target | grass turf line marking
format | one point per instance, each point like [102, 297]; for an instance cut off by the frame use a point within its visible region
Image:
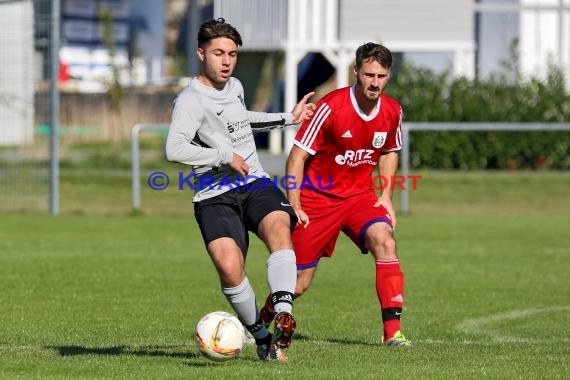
[476, 325]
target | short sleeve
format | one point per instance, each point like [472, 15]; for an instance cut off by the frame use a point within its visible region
[394, 137]
[310, 136]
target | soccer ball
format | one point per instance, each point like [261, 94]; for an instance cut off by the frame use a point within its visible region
[219, 336]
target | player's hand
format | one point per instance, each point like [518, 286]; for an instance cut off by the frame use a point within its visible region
[303, 110]
[302, 217]
[239, 165]
[387, 204]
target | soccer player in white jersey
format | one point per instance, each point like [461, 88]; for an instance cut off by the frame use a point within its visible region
[211, 130]
[354, 130]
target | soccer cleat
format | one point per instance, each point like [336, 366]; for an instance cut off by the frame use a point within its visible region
[283, 330]
[266, 316]
[398, 340]
[271, 352]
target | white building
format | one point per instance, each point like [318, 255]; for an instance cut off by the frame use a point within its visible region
[138, 31]
[466, 36]
[16, 72]
[463, 35]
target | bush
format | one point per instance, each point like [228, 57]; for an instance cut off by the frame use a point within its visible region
[426, 96]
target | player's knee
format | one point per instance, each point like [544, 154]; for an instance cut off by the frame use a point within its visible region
[276, 231]
[231, 279]
[283, 226]
[389, 244]
[383, 247]
[230, 273]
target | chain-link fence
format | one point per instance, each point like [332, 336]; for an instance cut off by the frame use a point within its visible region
[25, 77]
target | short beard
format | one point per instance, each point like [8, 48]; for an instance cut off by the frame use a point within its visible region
[364, 93]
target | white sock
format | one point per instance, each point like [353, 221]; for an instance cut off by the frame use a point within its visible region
[282, 278]
[242, 300]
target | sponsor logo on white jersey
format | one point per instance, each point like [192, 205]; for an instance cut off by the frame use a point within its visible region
[347, 134]
[379, 139]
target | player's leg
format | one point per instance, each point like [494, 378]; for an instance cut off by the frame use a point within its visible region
[274, 230]
[268, 214]
[267, 312]
[310, 244]
[379, 240]
[227, 241]
[304, 280]
[372, 231]
[241, 296]
[228, 260]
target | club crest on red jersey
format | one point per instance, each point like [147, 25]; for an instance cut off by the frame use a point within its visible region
[379, 139]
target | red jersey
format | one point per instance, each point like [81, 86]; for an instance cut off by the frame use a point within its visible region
[345, 143]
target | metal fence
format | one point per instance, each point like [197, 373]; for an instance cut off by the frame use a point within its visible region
[27, 103]
[407, 129]
[461, 127]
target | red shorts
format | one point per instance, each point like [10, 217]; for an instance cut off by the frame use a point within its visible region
[327, 218]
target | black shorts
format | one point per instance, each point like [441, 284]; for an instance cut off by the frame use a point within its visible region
[235, 212]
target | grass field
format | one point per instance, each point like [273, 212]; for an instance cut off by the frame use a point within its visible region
[100, 292]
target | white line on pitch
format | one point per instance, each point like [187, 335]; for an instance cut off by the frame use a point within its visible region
[476, 326]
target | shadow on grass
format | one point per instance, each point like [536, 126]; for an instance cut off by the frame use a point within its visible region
[195, 360]
[172, 352]
[123, 350]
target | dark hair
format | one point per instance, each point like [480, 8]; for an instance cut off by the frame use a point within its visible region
[215, 29]
[376, 52]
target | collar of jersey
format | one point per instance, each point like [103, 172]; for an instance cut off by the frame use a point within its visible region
[211, 91]
[360, 113]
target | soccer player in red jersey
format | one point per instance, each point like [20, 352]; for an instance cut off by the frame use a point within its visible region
[335, 153]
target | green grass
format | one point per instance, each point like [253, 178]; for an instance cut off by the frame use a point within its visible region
[100, 293]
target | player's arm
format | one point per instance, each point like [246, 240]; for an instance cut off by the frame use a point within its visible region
[294, 169]
[309, 140]
[387, 167]
[262, 121]
[182, 144]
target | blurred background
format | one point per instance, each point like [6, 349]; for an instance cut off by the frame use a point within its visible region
[77, 75]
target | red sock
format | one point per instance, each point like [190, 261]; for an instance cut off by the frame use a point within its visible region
[269, 304]
[390, 290]
[267, 312]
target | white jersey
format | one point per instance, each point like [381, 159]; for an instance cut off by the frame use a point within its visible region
[207, 127]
